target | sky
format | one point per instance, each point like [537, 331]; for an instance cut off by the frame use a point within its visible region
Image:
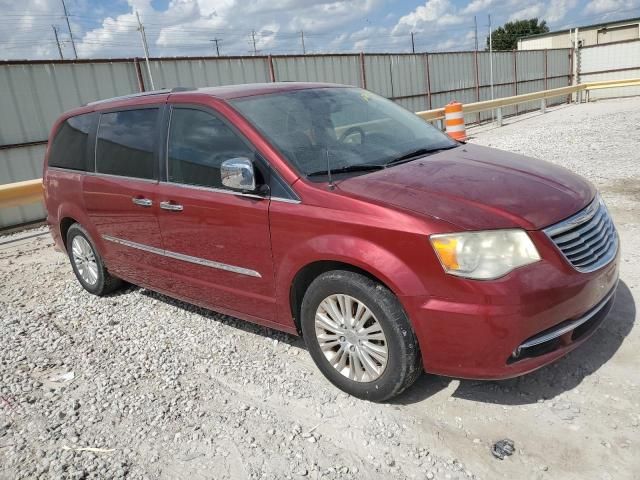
[108, 29]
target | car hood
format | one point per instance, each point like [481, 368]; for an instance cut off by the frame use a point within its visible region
[477, 188]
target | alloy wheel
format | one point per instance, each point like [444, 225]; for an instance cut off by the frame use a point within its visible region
[85, 260]
[351, 338]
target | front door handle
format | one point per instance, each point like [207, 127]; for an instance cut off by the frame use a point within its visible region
[174, 207]
[142, 202]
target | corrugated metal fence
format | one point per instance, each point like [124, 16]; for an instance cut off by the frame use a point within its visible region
[611, 61]
[34, 93]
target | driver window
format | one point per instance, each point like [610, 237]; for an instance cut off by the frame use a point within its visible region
[198, 144]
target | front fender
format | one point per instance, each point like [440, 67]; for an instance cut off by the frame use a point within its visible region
[359, 252]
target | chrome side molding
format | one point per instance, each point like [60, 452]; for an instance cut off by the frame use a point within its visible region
[183, 257]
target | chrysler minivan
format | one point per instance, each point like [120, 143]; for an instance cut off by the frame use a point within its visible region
[329, 212]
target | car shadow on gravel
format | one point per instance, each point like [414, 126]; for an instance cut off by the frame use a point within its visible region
[237, 323]
[547, 382]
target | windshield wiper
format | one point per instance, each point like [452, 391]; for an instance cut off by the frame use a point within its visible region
[417, 153]
[364, 167]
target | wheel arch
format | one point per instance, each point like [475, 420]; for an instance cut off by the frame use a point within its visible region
[69, 213]
[64, 225]
[308, 273]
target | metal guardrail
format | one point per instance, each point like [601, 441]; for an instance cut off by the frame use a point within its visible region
[21, 193]
[438, 113]
[30, 191]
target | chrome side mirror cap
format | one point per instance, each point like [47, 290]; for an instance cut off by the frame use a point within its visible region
[238, 174]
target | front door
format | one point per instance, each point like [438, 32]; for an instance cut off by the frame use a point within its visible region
[216, 241]
[120, 198]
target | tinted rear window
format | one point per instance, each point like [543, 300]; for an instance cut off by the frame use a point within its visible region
[126, 143]
[69, 147]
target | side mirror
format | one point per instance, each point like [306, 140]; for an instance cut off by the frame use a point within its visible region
[237, 174]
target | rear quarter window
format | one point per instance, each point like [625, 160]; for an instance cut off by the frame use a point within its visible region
[69, 147]
[126, 142]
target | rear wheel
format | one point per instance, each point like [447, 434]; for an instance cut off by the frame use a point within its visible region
[359, 336]
[87, 263]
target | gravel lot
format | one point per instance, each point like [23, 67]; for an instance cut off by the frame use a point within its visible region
[165, 390]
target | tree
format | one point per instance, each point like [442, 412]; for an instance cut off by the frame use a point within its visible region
[506, 37]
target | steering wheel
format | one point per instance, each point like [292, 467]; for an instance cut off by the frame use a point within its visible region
[350, 131]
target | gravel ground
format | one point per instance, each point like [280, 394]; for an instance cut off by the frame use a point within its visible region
[138, 385]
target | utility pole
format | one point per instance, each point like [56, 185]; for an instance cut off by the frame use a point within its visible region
[304, 50]
[216, 40]
[253, 39]
[143, 37]
[55, 32]
[491, 63]
[413, 44]
[73, 43]
[475, 31]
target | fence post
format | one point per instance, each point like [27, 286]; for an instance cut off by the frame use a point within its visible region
[543, 102]
[136, 62]
[475, 58]
[272, 72]
[546, 69]
[499, 116]
[515, 79]
[363, 74]
[576, 68]
[426, 57]
[579, 92]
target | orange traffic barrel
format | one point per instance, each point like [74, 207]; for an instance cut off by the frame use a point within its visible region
[454, 121]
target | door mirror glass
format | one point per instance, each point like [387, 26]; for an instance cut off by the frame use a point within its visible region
[237, 174]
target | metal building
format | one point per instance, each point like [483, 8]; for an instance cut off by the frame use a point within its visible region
[588, 35]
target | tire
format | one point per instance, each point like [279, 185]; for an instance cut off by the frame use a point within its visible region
[87, 263]
[367, 374]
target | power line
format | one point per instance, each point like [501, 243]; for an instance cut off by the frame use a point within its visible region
[114, 33]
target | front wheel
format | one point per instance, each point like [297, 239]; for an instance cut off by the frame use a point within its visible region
[359, 336]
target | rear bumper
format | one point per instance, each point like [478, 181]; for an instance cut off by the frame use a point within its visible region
[530, 318]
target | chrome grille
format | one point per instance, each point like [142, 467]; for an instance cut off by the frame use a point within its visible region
[588, 240]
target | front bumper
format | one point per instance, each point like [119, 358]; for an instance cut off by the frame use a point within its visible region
[506, 328]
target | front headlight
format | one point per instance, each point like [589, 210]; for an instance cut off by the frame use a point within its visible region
[484, 255]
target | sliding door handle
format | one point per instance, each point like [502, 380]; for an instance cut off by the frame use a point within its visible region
[173, 207]
[142, 202]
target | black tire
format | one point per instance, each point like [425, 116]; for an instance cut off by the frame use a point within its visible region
[105, 282]
[403, 365]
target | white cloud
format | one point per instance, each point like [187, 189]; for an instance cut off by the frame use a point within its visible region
[431, 13]
[558, 9]
[609, 6]
[476, 6]
[532, 11]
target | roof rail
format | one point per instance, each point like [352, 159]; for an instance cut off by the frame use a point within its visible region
[142, 94]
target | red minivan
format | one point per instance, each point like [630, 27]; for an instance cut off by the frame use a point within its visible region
[330, 212]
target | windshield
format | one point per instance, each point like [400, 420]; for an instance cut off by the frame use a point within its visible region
[347, 129]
